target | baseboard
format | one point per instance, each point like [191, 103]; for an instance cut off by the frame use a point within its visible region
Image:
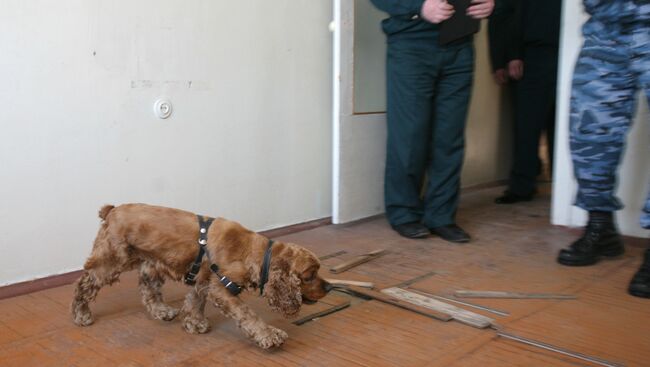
[18, 289]
[283, 231]
[482, 186]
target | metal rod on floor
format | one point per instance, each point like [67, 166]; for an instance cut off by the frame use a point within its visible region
[512, 295]
[325, 312]
[555, 349]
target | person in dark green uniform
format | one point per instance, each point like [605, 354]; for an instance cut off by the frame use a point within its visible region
[532, 55]
[428, 91]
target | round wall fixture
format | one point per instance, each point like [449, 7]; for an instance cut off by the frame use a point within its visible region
[162, 108]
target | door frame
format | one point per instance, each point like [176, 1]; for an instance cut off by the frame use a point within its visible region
[359, 139]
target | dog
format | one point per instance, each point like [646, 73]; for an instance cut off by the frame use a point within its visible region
[162, 243]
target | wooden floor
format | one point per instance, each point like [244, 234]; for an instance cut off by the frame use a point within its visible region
[513, 249]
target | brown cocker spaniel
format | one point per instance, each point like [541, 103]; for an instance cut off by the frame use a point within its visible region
[162, 243]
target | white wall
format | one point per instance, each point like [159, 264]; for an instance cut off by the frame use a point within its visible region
[634, 174]
[249, 138]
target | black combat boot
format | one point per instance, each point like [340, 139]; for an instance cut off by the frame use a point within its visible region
[640, 284]
[600, 239]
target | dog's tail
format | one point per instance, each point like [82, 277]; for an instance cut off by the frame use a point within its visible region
[103, 212]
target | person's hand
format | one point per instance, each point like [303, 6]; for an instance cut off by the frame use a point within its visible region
[436, 11]
[480, 9]
[516, 69]
[501, 76]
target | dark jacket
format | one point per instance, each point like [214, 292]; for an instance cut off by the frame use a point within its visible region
[501, 31]
[540, 23]
[405, 20]
[518, 24]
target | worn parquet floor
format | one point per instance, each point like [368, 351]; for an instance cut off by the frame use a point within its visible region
[513, 249]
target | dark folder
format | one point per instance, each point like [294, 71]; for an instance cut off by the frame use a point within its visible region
[459, 25]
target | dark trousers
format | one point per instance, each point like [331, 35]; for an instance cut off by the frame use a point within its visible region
[428, 90]
[534, 114]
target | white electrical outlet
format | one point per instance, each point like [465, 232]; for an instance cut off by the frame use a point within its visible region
[162, 108]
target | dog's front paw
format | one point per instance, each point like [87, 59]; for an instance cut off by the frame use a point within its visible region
[271, 337]
[82, 318]
[196, 326]
[164, 313]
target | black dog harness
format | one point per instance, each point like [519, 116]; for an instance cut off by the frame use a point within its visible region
[190, 277]
[264, 273]
[232, 287]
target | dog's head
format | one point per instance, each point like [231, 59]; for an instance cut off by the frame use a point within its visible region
[293, 279]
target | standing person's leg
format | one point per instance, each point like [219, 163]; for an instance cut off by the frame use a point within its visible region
[640, 283]
[602, 105]
[641, 65]
[448, 141]
[410, 88]
[535, 103]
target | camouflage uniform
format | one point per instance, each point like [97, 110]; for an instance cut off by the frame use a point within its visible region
[613, 65]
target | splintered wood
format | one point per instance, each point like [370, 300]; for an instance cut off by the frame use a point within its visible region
[381, 297]
[457, 313]
[344, 282]
[356, 261]
[335, 254]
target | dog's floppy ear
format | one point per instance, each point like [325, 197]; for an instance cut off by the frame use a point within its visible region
[282, 291]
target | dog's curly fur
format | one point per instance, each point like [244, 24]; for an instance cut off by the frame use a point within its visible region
[162, 243]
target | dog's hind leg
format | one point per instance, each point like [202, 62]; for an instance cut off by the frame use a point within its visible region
[103, 267]
[151, 282]
[86, 290]
[194, 320]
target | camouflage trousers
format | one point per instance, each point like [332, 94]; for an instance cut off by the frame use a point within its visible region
[614, 64]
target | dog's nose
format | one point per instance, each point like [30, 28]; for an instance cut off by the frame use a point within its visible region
[327, 286]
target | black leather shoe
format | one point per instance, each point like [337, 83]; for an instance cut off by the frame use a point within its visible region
[640, 284]
[510, 197]
[601, 239]
[451, 233]
[412, 230]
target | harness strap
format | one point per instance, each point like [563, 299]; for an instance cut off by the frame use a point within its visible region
[231, 286]
[204, 225]
[264, 274]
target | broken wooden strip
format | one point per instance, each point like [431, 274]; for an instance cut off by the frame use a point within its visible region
[478, 307]
[408, 282]
[335, 254]
[322, 313]
[457, 313]
[350, 282]
[356, 261]
[378, 296]
[511, 295]
[555, 349]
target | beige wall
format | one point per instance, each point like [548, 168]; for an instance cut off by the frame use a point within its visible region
[249, 138]
[489, 124]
